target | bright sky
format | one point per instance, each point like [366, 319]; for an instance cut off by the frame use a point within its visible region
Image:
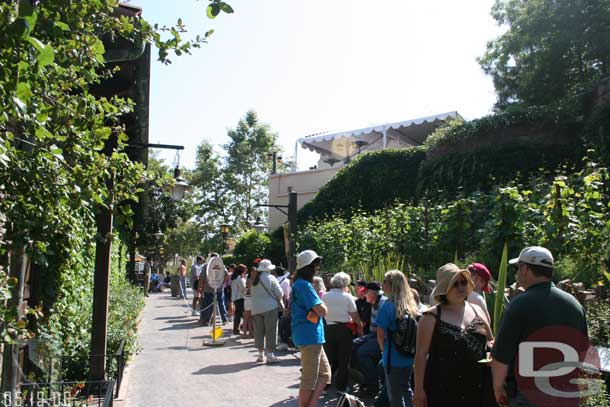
[308, 66]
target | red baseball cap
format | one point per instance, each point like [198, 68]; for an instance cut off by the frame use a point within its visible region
[482, 271]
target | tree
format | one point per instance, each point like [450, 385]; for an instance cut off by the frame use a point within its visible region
[247, 168]
[552, 50]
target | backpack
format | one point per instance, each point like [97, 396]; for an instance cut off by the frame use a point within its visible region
[405, 335]
[348, 400]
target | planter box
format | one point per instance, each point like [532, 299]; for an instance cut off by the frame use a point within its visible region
[174, 285]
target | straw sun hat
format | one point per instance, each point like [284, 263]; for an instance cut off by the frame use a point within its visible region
[446, 276]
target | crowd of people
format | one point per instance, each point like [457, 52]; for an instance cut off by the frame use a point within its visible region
[381, 340]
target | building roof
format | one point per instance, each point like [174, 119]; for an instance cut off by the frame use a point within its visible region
[408, 133]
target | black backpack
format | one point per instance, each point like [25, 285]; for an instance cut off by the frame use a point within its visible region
[405, 336]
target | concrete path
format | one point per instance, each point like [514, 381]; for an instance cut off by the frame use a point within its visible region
[174, 369]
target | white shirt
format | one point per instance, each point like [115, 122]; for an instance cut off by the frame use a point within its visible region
[238, 288]
[340, 304]
[285, 284]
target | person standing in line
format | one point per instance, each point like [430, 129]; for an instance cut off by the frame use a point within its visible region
[283, 280]
[208, 297]
[182, 279]
[248, 325]
[226, 288]
[452, 337]
[480, 277]
[367, 354]
[398, 367]
[238, 288]
[544, 310]
[266, 292]
[195, 273]
[318, 285]
[341, 310]
[147, 274]
[307, 326]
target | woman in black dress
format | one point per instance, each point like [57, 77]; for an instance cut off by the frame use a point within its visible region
[452, 338]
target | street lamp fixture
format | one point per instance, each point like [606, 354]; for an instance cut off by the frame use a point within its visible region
[180, 187]
[224, 230]
[259, 226]
[158, 235]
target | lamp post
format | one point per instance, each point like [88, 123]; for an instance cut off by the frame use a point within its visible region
[275, 158]
[224, 233]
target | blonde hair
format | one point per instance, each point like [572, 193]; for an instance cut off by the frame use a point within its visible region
[400, 293]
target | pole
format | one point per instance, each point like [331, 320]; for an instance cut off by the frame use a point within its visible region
[292, 232]
[101, 280]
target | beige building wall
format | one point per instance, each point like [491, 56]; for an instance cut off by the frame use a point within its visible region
[305, 183]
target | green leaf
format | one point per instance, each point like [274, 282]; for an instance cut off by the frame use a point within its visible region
[29, 16]
[46, 56]
[99, 50]
[502, 274]
[23, 91]
[43, 133]
[212, 10]
[36, 43]
[62, 26]
[226, 8]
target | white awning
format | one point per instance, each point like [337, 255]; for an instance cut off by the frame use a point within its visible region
[407, 133]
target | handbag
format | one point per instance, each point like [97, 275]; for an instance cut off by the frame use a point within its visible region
[280, 303]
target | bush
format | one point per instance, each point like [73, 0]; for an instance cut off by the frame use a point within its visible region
[372, 181]
[250, 246]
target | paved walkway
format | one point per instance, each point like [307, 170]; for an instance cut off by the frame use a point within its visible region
[174, 369]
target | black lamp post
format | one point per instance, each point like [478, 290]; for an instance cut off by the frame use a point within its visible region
[259, 226]
[224, 233]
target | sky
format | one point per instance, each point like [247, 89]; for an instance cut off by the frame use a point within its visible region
[308, 66]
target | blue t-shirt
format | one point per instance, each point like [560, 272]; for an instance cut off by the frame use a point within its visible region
[386, 319]
[303, 298]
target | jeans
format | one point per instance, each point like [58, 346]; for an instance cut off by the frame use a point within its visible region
[206, 310]
[338, 349]
[398, 383]
[183, 287]
[367, 356]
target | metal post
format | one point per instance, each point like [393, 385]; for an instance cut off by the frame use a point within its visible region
[292, 232]
[101, 282]
[274, 167]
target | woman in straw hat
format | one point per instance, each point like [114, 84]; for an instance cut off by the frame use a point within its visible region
[398, 367]
[451, 340]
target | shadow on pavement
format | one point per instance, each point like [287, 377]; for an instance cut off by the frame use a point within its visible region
[178, 327]
[224, 369]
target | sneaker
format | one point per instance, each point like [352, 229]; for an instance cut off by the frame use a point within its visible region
[230, 319]
[260, 358]
[281, 346]
[195, 313]
[271, 358]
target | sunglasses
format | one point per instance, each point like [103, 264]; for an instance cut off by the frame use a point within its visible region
[460, 283]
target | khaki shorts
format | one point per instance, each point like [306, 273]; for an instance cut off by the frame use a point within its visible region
[316, 368]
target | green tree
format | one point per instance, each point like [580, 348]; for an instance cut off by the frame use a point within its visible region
[552, 50]
[247, 168]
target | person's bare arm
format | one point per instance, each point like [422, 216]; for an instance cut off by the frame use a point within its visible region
[320, 309]
[425, 330]
[499, 371]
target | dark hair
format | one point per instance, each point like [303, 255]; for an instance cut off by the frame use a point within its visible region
[307, 272]
[183, 262]
[232, 265]
[199, 258]
[257, 278]
[442, 299]
[280, 271]
[239, 270]
[540, 271]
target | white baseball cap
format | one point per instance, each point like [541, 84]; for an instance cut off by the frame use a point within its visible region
[536, 255]
[265, 265]
[306, 257]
